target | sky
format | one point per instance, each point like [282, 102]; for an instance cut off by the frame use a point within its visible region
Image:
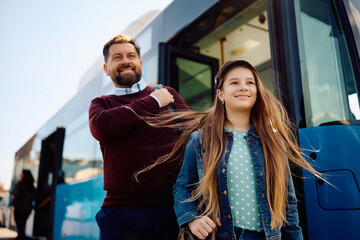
[45, 49]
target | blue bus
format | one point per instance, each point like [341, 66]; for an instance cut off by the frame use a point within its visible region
[307, 53]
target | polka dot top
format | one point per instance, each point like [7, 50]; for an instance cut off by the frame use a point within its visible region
[241, 185]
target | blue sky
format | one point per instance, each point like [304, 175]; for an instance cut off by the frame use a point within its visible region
[45, 48]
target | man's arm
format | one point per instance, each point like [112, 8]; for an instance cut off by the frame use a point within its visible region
[119, 120]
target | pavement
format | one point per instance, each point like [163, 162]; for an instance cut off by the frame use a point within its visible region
[7, 234]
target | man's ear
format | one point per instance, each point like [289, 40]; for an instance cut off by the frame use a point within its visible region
[106, 70]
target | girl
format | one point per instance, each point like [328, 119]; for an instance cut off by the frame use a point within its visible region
[235, 176]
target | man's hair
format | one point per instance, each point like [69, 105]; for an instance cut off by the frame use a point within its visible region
[121, 38]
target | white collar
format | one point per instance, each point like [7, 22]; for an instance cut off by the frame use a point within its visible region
[136, 87]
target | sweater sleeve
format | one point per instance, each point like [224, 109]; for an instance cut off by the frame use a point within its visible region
[104, 121]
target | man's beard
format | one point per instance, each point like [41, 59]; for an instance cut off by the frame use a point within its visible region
[128, 79]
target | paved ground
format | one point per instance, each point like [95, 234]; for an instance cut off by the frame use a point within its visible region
[7, 234]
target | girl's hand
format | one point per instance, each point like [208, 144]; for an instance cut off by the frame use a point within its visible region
[202, 227]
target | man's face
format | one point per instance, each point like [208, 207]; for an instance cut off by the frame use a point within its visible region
[123, 65]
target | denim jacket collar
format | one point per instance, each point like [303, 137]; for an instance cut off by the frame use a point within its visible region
[252, 132]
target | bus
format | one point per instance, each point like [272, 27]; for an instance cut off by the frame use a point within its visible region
[307, 54]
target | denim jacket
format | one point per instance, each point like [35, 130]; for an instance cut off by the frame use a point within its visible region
[192, 170]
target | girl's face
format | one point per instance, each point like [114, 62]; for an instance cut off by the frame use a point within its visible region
[239, 90]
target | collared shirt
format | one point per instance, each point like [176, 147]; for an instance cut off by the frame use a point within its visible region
[136, 87]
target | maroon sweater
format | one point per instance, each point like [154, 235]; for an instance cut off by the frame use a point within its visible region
[128, 145]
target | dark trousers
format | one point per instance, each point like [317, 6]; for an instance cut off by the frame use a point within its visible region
[20, 220]
[244, 234]
[137, 224]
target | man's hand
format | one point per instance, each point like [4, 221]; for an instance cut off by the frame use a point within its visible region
[164, 96]
[202, 227]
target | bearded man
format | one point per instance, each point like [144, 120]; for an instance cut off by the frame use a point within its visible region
[134, 209]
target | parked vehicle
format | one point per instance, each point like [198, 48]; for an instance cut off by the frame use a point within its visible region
[5, 209]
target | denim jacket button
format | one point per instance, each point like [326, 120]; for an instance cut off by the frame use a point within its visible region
[223, 170]
[266, 220]
[261, 174]
[228, 217]
[262, 195]
[224, 192]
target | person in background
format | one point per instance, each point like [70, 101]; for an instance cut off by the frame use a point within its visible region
[133, 209]
[22, 197]
[235, 177]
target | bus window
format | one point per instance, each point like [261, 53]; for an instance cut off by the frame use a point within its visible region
[194, 85]
[27, 157]
[353, 12]
[330, 92]
[190, 73]
[78, 154]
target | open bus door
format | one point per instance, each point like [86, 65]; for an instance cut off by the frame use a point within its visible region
[49, 176]
[191, 74]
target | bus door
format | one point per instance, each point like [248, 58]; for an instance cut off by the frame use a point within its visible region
[229, 30]
[330, 127]
[190, 73]
[49, 176]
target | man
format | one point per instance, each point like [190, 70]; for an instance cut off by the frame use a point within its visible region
[131, 209]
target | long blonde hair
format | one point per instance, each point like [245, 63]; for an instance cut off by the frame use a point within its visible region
[276, 133]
